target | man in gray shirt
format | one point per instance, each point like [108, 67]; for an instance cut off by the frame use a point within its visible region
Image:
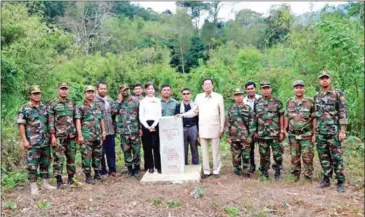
[170, 107]
[250, 100]
[106, 105]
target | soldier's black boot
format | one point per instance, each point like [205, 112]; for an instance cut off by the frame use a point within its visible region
[98, 176]
[130, 171]
[277, 174]
[236, 172]
[340, 187]
[59, 181]
[70, 179]
[264, 174]
[325, 182]
[89, 179]
[136, 171]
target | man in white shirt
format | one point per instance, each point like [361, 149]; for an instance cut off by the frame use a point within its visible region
[250, 100]
[210, 108]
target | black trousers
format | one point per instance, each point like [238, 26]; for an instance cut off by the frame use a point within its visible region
[151, 147]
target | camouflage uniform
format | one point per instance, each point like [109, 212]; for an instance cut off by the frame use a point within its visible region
[61, 123]
[91, 149]
[268, 112]
[331, 112]
[35, 121]
[300, 116]
[240, 126]
[128, 127]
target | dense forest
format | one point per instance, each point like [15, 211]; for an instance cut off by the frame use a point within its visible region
[119, 42]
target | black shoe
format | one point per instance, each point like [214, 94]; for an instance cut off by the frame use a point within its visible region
[98, 176]
[70, 179]
[246, 175]
[340, 187]
[130, 171]
[159, 171]
[59, 181]
[296, 178]
[264, 175]
[252, 169]
[205, 176]
[136, 171]
[277, 175]
[88, 179]
[325, 182]
[216, 176]
[151, 170]
[237, 172]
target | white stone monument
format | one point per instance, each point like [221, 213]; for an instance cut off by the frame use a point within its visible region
[172, 153]
[171, 145]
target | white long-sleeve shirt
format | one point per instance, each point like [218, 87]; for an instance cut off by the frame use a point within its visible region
[150, 109]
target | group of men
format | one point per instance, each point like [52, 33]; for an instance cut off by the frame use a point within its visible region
[61, 124]
[304, 122]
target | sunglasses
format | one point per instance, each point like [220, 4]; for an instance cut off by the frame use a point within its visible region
[186, 94]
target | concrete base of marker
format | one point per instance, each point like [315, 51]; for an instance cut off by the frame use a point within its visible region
[192, 173]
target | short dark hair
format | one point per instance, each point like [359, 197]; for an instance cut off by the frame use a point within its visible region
[100, 82]
[149, 84]
[207, 79]
[248, 83]
[138, 85]
[165, 85]
[185, 88]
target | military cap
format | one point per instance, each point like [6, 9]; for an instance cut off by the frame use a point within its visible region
[237, 91]
[123, 87]
[88, 88]
[265, 84]
[35, 89]
[62, 84]
[324, 73]
[298, 83]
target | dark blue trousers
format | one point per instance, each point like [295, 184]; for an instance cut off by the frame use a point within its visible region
[109, 152]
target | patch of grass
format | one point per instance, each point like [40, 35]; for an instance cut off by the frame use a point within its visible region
[173, 204]
[10, 205]
[231, 211]
[9, 180]
[289, 177]
[250, 208]
[261, 214]
[157, 202]
[214, 204]
[197, 193]
[45, 204]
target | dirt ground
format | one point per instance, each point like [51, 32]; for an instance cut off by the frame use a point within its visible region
[224, 196]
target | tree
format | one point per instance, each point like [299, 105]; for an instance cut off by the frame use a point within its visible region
[279, 22]
[195, 10]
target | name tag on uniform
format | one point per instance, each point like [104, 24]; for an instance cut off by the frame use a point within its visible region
[298, 137]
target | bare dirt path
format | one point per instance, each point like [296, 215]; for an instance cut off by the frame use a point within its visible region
[224, 196]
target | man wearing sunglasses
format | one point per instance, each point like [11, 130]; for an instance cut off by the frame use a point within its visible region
[32, 122]
[190, 128]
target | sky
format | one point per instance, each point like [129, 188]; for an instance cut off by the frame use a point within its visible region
[229, 9]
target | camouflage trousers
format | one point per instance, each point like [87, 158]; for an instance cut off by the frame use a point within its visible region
[241, 154]
[65, 147]
[264, 150]
[330, 155]
[131, 146]
[302, 148]
[38, 157]
[91, 152]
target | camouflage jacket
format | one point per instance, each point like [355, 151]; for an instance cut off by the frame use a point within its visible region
[240, 122]
[331, 111]
[90, 117]
[61, 117]
[128, 116]
[300, 115]
[35, 120]
[268, 112]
